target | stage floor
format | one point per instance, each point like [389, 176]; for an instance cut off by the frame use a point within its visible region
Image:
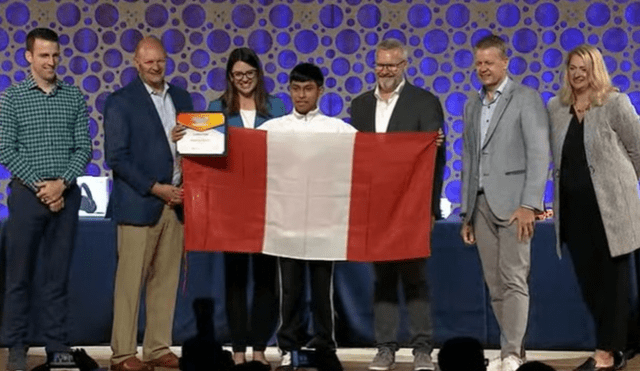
[352, 358]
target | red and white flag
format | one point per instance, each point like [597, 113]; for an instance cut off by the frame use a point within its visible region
[314, 196]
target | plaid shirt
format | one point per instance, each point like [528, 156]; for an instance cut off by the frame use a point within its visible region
[44, 136]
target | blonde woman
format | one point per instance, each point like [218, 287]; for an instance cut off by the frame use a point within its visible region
[595, 137]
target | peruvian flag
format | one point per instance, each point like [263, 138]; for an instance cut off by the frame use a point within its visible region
[314, 196]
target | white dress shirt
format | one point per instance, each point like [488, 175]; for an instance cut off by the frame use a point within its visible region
[384, 108]
[312, 122]
[248, 118]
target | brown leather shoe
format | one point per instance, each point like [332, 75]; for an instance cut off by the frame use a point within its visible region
[131, 364]
[168, 360]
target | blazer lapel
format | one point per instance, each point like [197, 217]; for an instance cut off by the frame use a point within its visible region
[155, 123]
[564, 119]
[370, 113]
[404, 99]
[503, 102]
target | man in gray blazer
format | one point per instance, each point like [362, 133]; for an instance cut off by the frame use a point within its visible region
[505, 163]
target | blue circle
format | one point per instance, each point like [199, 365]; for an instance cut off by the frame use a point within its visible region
[547, 76]
[306, 41]
[441, 84]
[216, 79]
[194, 16]
[4, 39]
[369, 16]
[331, 16]
[479, 35]
[112, 58]
[287, 59]
[636, 57]
[549, 37]
[525, 40]
[353, 85]
[463, 58]
[459, 38]
[547, 14]
[458, 15]
[622, 82]
[632, 14]
[218, 41]
[260, 41]
[283, 38]
[615, 39]
[129, 40]
[598, 14]
[610, 63]
[452, 191]
[282, 78]
[331, 104]
[429, 66]
[458, 77]
[552, 58]
[106, 15]
[436, 41]
[17, 14]
[508, 15]
[517, 65]
[156, 15]
[85, 40]
[419, 16]
[340, 66]
[173, 41]
[281, 16]
[348, 41]
[68, 15]
[571, 38]
[91, 84]
[200, 58]
[128, 74]
[455, 103]
[395, 34]
[531, 81]
[269, 84]
[370, 77]
[625, 66]
[78, 65]
[371, 38]
[5, 82]
[243, 16]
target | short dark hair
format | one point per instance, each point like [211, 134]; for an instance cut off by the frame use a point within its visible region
[307, 72]
[462, 353]
[42, 34]
[492, 41]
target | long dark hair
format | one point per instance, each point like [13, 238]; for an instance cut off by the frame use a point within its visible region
[230, 96]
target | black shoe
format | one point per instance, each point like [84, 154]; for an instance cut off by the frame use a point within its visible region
[590, 365]
[619, 360]
[327, 360]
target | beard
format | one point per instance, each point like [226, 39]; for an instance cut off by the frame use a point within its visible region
[389, 83]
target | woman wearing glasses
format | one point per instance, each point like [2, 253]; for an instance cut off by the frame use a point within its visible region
[595, 134]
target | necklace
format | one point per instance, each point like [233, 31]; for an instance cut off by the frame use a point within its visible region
[582, 109]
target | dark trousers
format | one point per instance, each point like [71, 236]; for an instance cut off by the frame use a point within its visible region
[412, 275]
[291, 333]
[30, 223]
[253, 329]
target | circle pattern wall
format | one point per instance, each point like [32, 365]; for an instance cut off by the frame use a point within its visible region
[98, 38]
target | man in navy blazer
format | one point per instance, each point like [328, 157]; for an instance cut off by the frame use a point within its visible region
[145, 203]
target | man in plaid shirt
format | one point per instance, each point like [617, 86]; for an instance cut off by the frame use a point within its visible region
[44, 142]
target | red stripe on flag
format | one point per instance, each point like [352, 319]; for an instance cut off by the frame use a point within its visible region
[225, 197]
[390, 211]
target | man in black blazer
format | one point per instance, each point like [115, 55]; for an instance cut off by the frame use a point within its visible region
[145, 203]
[396, 105]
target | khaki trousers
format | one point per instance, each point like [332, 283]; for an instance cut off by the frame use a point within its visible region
[149, 257]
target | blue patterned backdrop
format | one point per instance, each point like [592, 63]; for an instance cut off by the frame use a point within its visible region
[98, 39]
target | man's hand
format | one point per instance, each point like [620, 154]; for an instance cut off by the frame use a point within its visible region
[440, 138]
[524, 218]
[467, 234]
[50, 191]
[169, 194]
[57, 205]
[177, 132]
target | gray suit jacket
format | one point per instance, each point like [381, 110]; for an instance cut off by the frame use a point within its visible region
[612, 146]
[515, 154]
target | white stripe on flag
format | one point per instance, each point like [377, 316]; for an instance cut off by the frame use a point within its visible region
[308, 195]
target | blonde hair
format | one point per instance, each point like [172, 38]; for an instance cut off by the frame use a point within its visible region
[597, 75]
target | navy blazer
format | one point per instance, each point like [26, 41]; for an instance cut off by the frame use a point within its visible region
[415, 110]
[275, 105]
[138, 152]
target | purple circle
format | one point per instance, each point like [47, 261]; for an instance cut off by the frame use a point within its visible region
[517, 65]
[199, 102]
[348, 41]
[216, 79]
[78, 65]
[549, 37]
[96, 154]
[436, 41]
[85, 40]
[625, 66]
[269, 84]
[112, 58]
[370, 77]
[173, 41]
[636, 76]
[287, 59]
[632, 14]
[195, 77]
[636, 57]
[419, 15]
[330, 82]
[610, 63]
[458, 77]
[200, 58]
[598, 14]
[353, 85]
[7, 66]
[5, 82]
[19, 76]
[260, 41]
[340, 66]
[100, 101]
[170, 66]
[371, 38]
[109, 37]
[306, 41]
[463, 58]
[331, 16]
[395, 34]
[193, 15]
[455, 103]
[156, 15]
[196, 38]
[20, 58]
[283, 78]
[429, 66]
[281, 16]
[615, 39]
[20, 37]
[17, 14]
[547, 14]
[452, 191]
[571, 38]
[283, 38]
[525, 40]
[106, 15]
[441, 84]
[286, 99]
[331, 104]
[547, 76]
[622, 82]
[218, 41]
[508, 15]
[369, 16]
[68, 15]
[183, 67]
[108, 76]
[128, 74]
[92, 170]
[4, 39]
[552, 58]
[459, 38]
[96, 66]
[243, 16]
[531, 81]
[91, 84]
[458, 15]
[180, 82]
[130, 39]
[479, 35]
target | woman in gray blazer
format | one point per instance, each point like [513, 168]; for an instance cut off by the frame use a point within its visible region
[595, 137]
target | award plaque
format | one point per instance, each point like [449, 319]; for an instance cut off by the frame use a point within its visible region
[205, 134]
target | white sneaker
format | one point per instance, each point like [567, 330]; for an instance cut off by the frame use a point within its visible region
[285, 359]
[511, 363]
[495, 364]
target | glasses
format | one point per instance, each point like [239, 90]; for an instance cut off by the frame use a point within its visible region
[393, 67]
[237, 75]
